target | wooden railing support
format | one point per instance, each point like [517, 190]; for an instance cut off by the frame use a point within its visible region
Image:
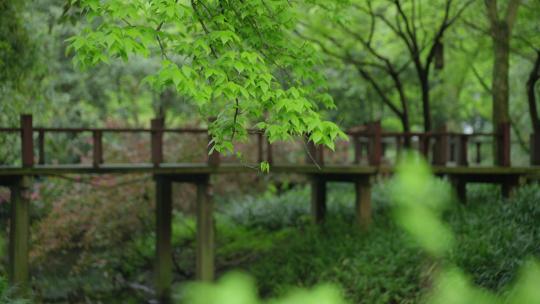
[440, 153]
[27, 142]
[97, 148]
[205, 232]
[163, 259]
[363, 202]
[157, 125]
[478, 152]
[213, 157]
[260, 143]
[19, 237]
[452, 142]
[41, 147]
[375, 147]
[502, 144]
[460, 189]
[357, 149]
[423, 145]
[314, 153]
[269, 155]
[399, 146]
[463, 150]
[318, 199]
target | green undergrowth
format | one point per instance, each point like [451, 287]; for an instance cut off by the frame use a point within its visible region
[271, 237]
[494, 237]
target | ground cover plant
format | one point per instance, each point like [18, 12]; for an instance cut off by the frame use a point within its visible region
[425, 266]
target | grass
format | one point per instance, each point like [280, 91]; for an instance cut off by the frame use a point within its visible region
[494, 237]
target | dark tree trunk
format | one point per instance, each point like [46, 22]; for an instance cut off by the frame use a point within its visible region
[424, 85]
[499, 87]
[406, 126]
[534, 77]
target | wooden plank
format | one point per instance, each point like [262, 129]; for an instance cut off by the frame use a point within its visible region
[226, 168]
[363, 202]
[19, 237]
[182, 168]
[163, 262]
[318, 199]
[205, 233]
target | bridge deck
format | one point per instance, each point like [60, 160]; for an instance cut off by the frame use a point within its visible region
[203, 168]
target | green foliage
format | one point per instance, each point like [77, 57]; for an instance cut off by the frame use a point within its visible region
[236, 288]
[15, 45]
[451, 286]
[493, 239]
[234, 60]
[420, 199]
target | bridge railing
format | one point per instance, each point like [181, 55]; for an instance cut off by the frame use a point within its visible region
[371, 146]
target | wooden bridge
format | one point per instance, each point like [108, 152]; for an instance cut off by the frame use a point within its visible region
[370, 152]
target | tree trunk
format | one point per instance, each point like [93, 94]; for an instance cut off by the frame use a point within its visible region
[424, 84]
[499, 87]
[534, 76]
[406, 129]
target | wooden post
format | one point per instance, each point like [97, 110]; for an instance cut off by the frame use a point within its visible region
[27, 142]
[460, 188]
[156, 125]
[478, 152]
[41, 147]
[452, 149]
[314, 153]
[318, 199]
[269, 156]
[260, 157]
[440, 153]
[97, 148]
[205, 233]
[502, 143]
[163, 263]
[363, 202]
[535, 149]
[463, 147]
[399, 146]
[213, 157]
[357, 149]
[508, 186]
[423, 145]
[19, 236]
[376, 144]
